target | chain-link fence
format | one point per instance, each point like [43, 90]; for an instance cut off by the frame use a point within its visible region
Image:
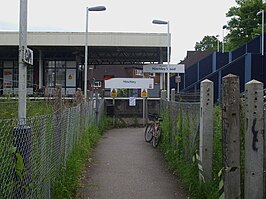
[34, 152]
[183, 119]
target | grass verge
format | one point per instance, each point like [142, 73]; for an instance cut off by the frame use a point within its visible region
[180, 161]
[66, 185]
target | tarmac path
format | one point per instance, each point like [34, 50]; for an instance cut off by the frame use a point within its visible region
[124, 166]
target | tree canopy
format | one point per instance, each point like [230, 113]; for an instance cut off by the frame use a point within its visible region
[208, 43]
[244, 25]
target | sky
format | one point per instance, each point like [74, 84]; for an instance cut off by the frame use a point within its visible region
[190, 20]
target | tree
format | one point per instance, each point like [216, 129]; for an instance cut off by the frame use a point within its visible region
[208, 43]
[244, 24]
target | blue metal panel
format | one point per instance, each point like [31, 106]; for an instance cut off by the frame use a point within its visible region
[214, 61]
[205, 67]
[254, 45]
[236, 68]
[230, 57]
[238, 52]
[221, 59]
[247, 67]
[258, 67]
[191, 75]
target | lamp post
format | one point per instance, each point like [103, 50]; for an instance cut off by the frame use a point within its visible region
[22, 87]
[224, 27]
[262, 30]
[160, 22]
[96, 8]
[218, 47]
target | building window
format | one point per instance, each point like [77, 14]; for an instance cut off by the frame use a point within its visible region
[138, 72]
[152, 75]
[97, 84]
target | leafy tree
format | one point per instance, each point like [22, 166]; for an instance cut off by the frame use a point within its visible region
[208, 43]
[244, 24]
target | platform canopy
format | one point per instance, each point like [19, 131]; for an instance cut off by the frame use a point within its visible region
[104, 47]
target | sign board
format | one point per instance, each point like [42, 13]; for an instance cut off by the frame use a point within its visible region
[163, 68]
[135, 83]
[132, 101]
[144, 93]
[113, 92]
[177, 79]
[28, 56]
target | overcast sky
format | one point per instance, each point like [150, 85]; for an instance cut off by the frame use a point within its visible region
[190, 20]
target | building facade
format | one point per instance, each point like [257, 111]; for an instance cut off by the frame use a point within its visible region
[59, 58]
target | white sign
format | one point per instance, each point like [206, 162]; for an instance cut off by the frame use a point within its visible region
[28, 56]
[137, 83]
[132, 101]
[163, 68]
[71, 77]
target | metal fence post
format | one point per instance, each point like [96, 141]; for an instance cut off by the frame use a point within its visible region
[254, 140]
[58, 106]
[206, 127]
[171, 116]
[172, 95]
[97, 108]
[163, 102]
[231, 135]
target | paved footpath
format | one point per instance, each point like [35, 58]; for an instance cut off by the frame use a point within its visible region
[124, 166]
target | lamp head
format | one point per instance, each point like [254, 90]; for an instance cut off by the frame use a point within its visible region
[260, 12]
[97, 8]
[155, 21]
[224, 26]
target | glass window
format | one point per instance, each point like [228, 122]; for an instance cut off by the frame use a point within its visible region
[60, 64]
[50, 64]
[61, 77]
[71, 64]
[15, 78]
[8, 64]
[50, 77]
[138, 72]
[30, 78]
[97, 84]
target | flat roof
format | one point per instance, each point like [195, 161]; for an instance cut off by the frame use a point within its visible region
[104, 47]
[94, 39]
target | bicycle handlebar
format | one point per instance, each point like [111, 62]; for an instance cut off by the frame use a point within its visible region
[153, 116]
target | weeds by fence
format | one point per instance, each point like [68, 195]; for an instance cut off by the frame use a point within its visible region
[33, 156]
[236, 143]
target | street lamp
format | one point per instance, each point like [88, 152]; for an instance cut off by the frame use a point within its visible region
[262, 30]
[224, 27]
[96, 8]
[160, 22]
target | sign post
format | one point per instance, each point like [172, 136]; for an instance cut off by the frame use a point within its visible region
[132, 83]
[161, 68]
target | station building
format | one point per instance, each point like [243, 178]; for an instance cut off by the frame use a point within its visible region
[58, 58]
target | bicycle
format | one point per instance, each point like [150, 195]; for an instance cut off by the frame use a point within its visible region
[153, 130]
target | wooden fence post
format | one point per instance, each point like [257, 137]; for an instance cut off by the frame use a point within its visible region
[206, 128]
[231, 136]
[254, 140]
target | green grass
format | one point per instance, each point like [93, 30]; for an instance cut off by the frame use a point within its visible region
[66, 185]
[9, 108]
[179, 157]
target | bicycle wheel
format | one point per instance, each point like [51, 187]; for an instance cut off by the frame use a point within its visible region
[148, 133]
[156, 138]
